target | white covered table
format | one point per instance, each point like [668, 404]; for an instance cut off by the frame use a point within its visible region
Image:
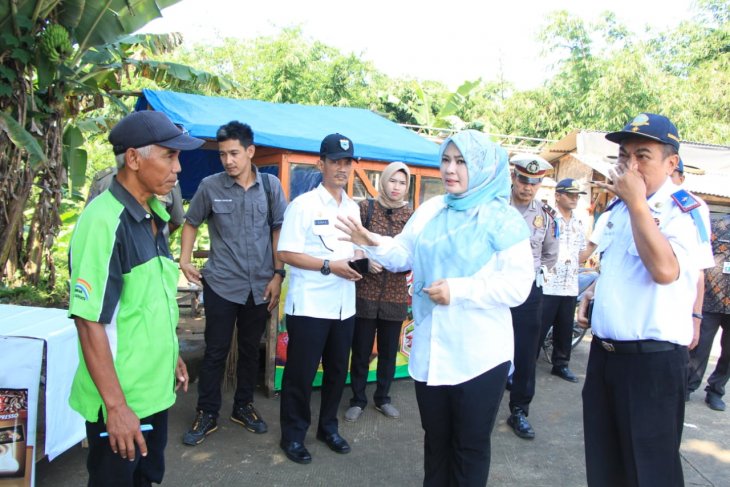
[64, 427]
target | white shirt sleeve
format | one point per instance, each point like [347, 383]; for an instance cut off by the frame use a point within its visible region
[599, 226]
[505, 280]
[293, 229]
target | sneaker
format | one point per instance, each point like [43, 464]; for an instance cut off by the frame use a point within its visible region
[249, 418]
[203, 425]
[388, 410]
[352, 414]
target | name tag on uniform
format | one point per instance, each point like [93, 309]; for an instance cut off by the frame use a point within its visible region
[321, 222]
[726, 267]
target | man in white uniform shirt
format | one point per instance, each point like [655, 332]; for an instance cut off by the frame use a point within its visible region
[560, 290]
[651, 254]
[320, 302]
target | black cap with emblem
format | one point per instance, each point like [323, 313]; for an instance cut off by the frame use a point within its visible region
[337, 146]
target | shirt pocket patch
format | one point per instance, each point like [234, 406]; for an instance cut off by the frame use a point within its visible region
[223, 216]
[261, 220]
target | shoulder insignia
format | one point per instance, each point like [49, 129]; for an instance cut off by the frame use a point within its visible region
[549, 210]
[689, 203]
[685, 200]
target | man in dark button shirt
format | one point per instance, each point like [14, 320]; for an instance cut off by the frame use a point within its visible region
[241, 279]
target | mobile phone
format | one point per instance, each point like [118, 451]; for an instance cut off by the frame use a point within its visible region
[360, 265]
[589, 311]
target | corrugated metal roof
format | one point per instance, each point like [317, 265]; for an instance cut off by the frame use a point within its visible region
[708, 183]
[712, 161]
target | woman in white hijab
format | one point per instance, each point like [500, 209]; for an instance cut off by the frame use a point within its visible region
[471, 260]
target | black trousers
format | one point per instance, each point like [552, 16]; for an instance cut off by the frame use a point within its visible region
[699, 357]
[633, 414]
[388, 333]
[526, 322]
[558, 312]
[310, 339]
[221, 316]
[108, 469]
[458, 422]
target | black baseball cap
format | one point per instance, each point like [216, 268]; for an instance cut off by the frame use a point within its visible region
[650, 126]
[148, 127]
[337, 146]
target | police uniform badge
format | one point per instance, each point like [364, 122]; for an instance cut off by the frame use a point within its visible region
[345, 144]
[532, 167]
[538, 222]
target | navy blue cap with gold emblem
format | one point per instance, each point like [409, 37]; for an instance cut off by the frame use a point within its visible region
[530, 168]
[569, 185]
[650, 126]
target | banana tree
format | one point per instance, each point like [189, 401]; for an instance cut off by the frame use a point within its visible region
[59, 60]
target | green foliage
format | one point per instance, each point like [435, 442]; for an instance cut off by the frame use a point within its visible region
[287, 68]
[39, 296]
[21, 138]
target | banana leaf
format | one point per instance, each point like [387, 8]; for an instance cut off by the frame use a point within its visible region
[23, 139]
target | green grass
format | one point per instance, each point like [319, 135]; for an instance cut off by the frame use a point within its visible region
[35, 296]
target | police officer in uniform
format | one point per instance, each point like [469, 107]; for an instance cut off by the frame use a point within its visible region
[529, 169]
[653, 246]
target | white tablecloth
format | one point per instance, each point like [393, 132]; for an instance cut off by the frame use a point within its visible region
[64, 426]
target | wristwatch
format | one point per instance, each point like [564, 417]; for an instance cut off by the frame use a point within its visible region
[325, 270]
[281, 272]
[697, 315]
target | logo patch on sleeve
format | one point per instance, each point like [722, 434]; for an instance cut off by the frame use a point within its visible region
[82, 289]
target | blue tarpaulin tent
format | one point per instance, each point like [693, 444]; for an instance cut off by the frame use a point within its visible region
[292, 127]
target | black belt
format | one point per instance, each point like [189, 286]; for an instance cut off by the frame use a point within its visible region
[635, 346]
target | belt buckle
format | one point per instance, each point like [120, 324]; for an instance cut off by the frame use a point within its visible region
[608, 346]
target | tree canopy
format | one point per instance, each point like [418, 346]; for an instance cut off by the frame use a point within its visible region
[65, 65]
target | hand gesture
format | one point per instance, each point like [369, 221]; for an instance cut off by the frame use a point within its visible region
[342, 269]
[626, 182]
[123, 428]
[181, 375]
[191, 273]
[374, 267]
[583, 318]
[272, 293]
[439, 292]
[355, 232]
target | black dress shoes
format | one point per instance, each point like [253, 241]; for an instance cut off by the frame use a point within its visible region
[520, 425]
[564, 373]
[296, 452]
[335, 442]
[714, 401]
